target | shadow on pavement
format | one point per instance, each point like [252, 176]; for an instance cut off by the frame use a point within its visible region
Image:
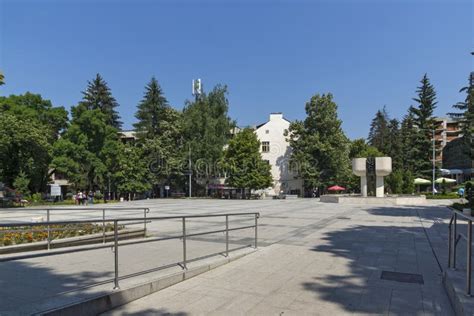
[396, 244]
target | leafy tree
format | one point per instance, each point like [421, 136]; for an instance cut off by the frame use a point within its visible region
[33, 107]
[206, 129]
[19, 115]
[379, 134]
[159, 132]
[21, 184]
[25, 149]
[360, 149]
[466, 116]
[132, 171]
[320, 148]
[87, 152]
[99, 96]
[246, 168]
[423, 120]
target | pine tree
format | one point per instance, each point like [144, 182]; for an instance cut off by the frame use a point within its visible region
[152, 111]
[320, 147]
[424, 122]
[98, 96]
[87, 152]
[395, 144]
[159, 131]
[379, 135]
[408, 136]
[466, 116]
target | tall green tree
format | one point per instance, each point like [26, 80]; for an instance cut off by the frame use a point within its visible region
[320, 147]
[33, 107]
[466, 116]
[395, 144]
[423, 120]
[98, 96]
[206, 129]
[87, 152]
[151, 111]
[159, 132]
[243, 160]
[379, 134]
[132, 175]
[21, 115]
[24, 151]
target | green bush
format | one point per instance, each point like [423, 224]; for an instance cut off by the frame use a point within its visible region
[460, 206]
[443, 196]
[36, 197]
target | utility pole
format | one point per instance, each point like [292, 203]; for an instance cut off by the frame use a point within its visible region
[434, 163]
[189, 171]
[197, 91]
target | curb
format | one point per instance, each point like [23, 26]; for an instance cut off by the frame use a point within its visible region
[105, 302]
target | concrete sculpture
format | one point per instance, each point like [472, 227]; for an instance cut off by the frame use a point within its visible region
[368, 168]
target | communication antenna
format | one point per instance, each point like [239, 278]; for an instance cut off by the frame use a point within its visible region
[197, 88]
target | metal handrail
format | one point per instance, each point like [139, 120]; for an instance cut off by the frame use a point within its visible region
[453, 241]
[116, 243]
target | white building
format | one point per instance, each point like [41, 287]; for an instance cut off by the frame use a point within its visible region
[276, 150]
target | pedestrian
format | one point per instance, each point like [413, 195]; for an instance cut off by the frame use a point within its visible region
[79, 197]
[461, 192]
[91, 197]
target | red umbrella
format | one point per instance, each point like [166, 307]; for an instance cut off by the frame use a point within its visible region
[336, 188]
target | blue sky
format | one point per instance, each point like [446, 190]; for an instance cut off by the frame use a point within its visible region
[273, 55]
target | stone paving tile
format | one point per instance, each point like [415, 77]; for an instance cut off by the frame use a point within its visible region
[311, 261]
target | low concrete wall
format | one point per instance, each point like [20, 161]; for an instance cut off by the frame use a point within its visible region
[108, 301]
[359, 200]
[73, 241]
[454, 282]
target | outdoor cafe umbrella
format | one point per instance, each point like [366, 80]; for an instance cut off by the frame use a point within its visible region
[421, 181]
[446, 180]
[336, 188]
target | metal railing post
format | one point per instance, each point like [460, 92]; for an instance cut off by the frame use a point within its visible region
[227, 235]
[256, 230]
[469, 258]
[455, 236]
[116, 262]
[49, 229]
[103, 226]
[184, 244]
[450, 241]
[144, 222]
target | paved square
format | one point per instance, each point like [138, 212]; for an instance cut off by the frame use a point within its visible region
[314, 258]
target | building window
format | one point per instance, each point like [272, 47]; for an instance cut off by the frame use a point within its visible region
[267, 161]
[267, 131]
[265, 147]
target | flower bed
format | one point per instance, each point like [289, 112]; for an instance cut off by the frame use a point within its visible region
[25, 234]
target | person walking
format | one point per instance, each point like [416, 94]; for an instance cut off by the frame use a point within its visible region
[91, 197]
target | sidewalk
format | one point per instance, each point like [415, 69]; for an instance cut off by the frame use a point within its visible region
[335, 270]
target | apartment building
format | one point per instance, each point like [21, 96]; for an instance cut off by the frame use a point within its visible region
[446, 130]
